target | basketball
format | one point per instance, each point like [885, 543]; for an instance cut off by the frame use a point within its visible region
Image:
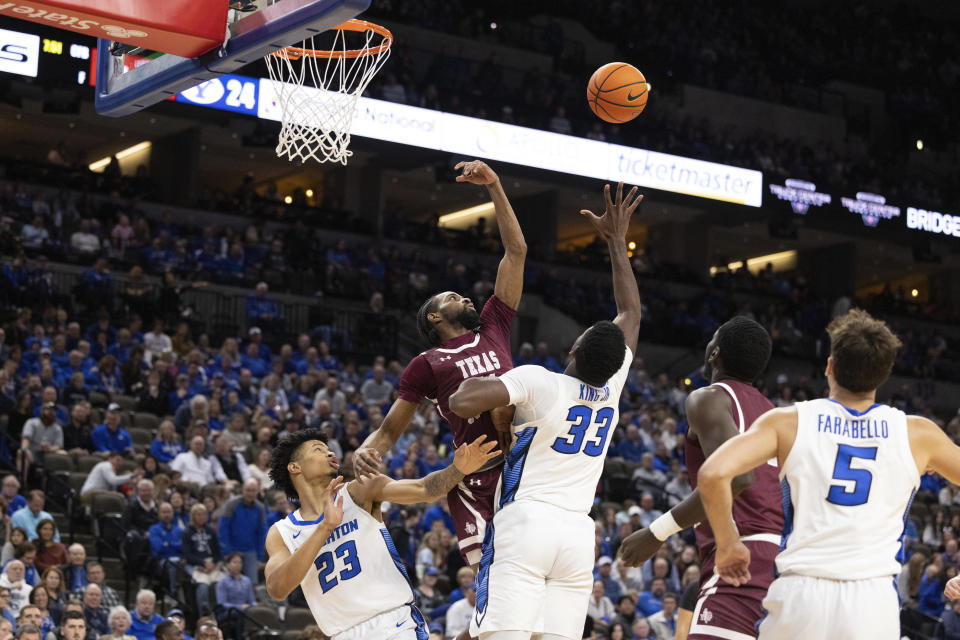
[617, 92]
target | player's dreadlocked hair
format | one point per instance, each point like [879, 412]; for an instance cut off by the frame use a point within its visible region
[600, 353]
[424, 326]
[286, 452]
[744, 348]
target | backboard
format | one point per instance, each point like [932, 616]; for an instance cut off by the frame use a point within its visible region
[121, 91]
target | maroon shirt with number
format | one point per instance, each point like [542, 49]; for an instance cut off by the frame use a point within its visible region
[437, 373]
[759, 509]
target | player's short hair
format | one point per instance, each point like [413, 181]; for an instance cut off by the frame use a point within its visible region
[285, 452]
[745, 348]
[863, 351]
[427, 331]
[600, 353]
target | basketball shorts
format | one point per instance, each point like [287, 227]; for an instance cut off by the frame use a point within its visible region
[402, 623]
[807, 607]
[725, 612]
[536, 573]
[471, 507]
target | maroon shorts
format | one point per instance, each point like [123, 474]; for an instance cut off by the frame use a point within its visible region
[734, 611]
[471, 506]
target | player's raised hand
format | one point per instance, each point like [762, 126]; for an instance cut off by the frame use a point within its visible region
[470, 457]
[638, 547]
[332, 504]
[366, 463]
[476, 172]
[733, 564]
[616, 218]
[952, 590]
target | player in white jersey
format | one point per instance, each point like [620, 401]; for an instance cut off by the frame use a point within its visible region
[537, 560]
[849, 469]
[336, 547]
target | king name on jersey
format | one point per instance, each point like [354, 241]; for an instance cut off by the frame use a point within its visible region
[478, 365]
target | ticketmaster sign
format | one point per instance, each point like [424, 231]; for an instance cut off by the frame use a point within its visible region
[466, 136]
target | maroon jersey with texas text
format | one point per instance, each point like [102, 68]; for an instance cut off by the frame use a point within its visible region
[437, 373]
[759, 509]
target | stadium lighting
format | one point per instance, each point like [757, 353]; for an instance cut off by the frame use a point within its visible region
[632, 245]
[103, 162]
[781, 261]
[919, 145]
[914, 293]
[288, 199]
[309, 193]
[485, 209]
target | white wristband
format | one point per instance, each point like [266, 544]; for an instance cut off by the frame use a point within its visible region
[664, 527]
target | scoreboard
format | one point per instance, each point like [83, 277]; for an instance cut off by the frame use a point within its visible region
[51, 57]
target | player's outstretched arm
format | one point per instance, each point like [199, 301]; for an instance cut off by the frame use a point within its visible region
[368, 457]
[285, 570]
[612, 227]
[734, 457]
[467, 459]
[509, 285]
[477, 395]
[711, 419]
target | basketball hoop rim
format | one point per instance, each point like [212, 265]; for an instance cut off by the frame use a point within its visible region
[295, 53]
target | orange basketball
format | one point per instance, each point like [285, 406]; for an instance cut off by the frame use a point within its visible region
[617, 92]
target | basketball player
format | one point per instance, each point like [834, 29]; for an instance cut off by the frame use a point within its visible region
[463, 344]
[537, 567]
[849, 469]
[335, 545]
[736, 356]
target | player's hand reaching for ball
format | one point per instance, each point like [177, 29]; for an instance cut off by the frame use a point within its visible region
[733, 563]
[952, 590]
[638, 547]
[470, 457]
[476, 172]
[333, 504]
[616, 219]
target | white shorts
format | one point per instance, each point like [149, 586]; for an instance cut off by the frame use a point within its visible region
[536, 573]
[805, 607]
[402, 623]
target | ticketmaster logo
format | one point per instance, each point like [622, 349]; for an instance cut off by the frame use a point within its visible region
[693, 177]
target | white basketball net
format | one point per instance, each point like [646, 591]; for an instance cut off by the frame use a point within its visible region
[316, 117]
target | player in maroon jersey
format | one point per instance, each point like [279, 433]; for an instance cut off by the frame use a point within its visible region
[737, 355]
[463, 344]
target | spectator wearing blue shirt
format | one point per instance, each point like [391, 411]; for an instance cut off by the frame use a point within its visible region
[10, 489]
[143, 618]
[30, 516]
[255, 336]
[439, 511]
[604, 573]
[465, 578]
[930, 593]
[545, 360]
[165, 542]
[110, 436]
[243, 528]
[165, 447]
[260, 308]
[251, 360]
[650, 602]
[234, 594]
[97, 285]
[631, 447]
